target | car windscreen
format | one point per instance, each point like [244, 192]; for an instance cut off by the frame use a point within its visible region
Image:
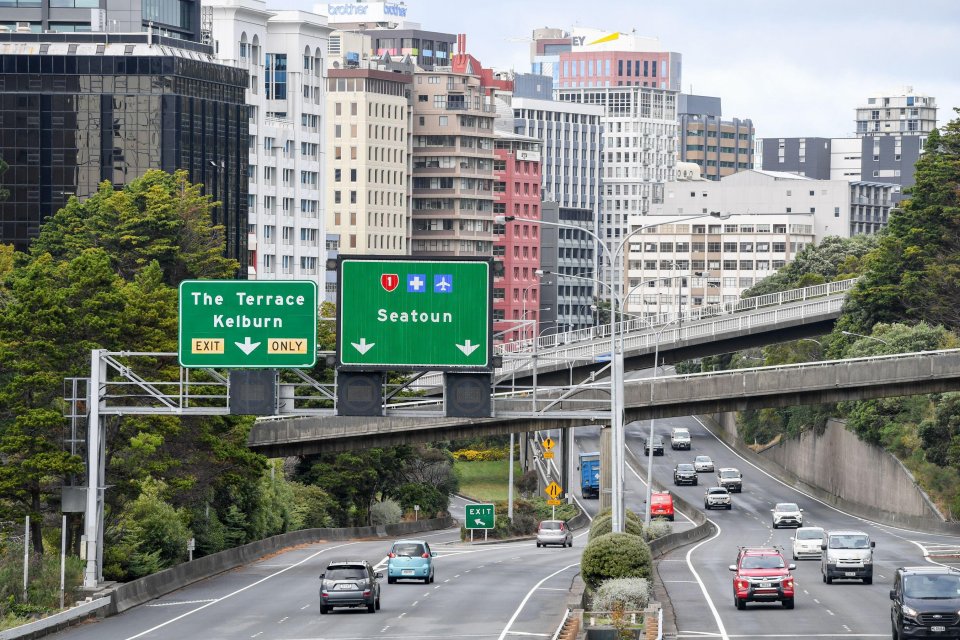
[787, 506]
[717, 491]
[809, 535]
[762, 562]
[934, 587]
[702, 459]
[411, 549]
[681, 432]
[729, 474]
[346, 573]
[849, 542]
[551, 525]
[684, 467]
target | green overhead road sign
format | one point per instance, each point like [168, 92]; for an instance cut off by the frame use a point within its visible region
[248, 323]
[414, 314]
[479, 516]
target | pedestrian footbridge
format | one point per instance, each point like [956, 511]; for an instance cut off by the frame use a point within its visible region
[665, 396]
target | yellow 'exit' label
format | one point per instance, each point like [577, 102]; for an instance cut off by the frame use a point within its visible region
[207, 345]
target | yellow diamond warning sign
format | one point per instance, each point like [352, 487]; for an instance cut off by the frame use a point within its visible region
[554, 490]
[548, 443]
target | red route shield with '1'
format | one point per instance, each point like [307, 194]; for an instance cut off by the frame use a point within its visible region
[389, 281]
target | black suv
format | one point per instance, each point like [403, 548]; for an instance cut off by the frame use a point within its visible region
[684, 473]
[926, 601]
[349, 583]
[657, 446]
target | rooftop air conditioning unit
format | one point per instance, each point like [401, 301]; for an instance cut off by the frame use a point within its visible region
[23, 27]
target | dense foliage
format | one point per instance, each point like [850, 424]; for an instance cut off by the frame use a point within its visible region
[103, 274]
[905, 300]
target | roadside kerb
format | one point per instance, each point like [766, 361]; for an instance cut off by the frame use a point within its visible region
[58, 621]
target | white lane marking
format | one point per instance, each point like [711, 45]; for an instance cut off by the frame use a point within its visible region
[847, 628]
[529, 634]
[401, 615]
[817, 601]
[173, 604]
[241, 590]
[513, 618]
[258, 633]
[415, 603]
[384, 629]
[553, 589]
[703, 587]
[679, 582]
[282, 620]
[304, 607]
[887, 528]
[830, 612]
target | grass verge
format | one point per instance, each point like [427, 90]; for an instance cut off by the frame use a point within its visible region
[485, 480]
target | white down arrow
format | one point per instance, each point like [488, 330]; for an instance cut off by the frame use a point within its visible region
[467, 348]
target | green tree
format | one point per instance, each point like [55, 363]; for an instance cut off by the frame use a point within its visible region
[615, 555]
[914, 274]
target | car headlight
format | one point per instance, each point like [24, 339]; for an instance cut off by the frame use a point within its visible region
[909, 612]
[868, 561]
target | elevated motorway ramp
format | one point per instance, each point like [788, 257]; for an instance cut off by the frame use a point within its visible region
[666, 396]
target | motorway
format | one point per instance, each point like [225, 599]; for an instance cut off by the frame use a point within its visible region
[515, 590]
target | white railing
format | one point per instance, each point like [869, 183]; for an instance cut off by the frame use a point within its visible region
[649, 322]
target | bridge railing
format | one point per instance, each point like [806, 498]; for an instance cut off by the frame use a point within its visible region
[650, 322]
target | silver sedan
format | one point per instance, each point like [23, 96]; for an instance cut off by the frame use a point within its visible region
[703, 463]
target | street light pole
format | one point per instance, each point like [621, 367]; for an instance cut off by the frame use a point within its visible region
[616, 359]
[860, 335]
[653, 422]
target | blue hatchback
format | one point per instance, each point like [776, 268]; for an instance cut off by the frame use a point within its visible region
[410, 560]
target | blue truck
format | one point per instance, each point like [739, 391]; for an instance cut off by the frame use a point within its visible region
[590, 474]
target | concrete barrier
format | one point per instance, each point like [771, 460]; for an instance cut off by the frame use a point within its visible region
[58, 621]
[834, 482]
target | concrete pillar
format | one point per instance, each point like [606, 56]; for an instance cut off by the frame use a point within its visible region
[566, 442]
[605, 467]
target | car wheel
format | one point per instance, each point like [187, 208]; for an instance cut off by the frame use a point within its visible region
[432, 577]
[571, 543]
[391, 580]
[828, 579]
[372, 607]
[823, 576]
[324, 609]
[868, 580]
[670, 518]
[741, 604]
[729, 506]
[788, 603]
[378, 603]
[776, 526]
[695, 483]
[539, 545]
[893, 629]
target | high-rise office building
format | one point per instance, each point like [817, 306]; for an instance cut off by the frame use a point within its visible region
[177, 19]
[368, 158]
[284, 53]
[570, 135]
[721, 147]
[79, 109]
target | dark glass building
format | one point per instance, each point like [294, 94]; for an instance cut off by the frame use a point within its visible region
[73, 114]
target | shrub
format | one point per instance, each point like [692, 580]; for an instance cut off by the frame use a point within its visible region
[602, 525]
[483, 455]
[386, 511]
[657, 529]
[431, 500]
[615, 555]
[632, 594]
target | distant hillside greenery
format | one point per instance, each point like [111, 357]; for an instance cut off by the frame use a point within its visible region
[908, 298]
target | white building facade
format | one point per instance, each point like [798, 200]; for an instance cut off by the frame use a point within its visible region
[774, 216]
[284, 52]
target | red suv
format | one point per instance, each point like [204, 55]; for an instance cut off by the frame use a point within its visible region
[661, 505]
[761, 575]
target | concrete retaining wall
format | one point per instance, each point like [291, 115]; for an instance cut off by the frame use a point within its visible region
[840, 469]
[153, 586]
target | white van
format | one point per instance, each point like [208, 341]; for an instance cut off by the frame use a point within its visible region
[847, 555]
[680, 438]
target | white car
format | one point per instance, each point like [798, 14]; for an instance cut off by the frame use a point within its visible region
[787, 514]
[703, 463]
[806, 543]
[717, 498]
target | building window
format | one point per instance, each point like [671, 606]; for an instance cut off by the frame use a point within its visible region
[275, 78]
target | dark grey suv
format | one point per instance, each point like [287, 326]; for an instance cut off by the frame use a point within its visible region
[349, 583]
[926, 601]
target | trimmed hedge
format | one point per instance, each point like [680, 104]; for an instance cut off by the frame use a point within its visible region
[615, 555]
[603, 525]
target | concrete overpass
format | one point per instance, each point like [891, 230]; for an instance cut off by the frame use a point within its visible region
[665, 396]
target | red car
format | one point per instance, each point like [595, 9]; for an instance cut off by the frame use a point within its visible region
[661, 505]
[762, 575]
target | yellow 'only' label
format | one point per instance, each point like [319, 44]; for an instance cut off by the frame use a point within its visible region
[213, 346]
[287, 345]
